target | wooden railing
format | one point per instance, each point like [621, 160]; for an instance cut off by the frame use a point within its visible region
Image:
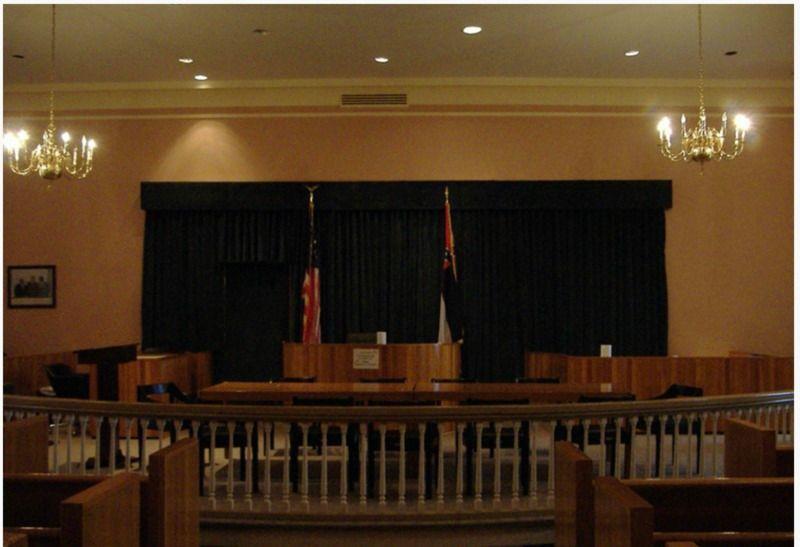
[484, 459]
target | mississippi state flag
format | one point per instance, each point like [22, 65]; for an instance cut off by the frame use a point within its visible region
[451, 327]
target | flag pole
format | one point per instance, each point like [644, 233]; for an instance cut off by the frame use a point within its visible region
[311, 190]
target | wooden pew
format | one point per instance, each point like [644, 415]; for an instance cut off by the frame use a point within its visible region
[654, 511]
[73, 511]
[574, 497]
[751, 451]
[25, 445]
[170, 510]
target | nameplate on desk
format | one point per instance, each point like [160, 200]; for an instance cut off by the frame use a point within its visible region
[366, 358]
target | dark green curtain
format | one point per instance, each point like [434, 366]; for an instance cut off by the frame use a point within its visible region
[532, 279]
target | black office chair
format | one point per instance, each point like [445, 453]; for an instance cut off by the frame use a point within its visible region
[67, 383]
[159, 393]
[169, 392]
[383, 380]
[392, 439]
[314, 439]
[594, 434]
[489, 438]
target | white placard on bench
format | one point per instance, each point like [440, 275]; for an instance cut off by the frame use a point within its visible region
[364, 358]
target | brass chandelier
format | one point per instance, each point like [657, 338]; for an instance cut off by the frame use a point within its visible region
[702, 143]
[50, 159]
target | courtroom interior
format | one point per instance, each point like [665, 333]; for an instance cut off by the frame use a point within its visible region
[398, 274]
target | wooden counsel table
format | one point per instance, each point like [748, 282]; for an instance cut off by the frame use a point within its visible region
[254, 392]
[341, 362]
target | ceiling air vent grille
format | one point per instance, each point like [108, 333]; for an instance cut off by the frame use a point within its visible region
[374, 99]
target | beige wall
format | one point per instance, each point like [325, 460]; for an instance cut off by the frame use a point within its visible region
[729, 233]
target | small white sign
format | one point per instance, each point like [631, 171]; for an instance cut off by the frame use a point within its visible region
[605, 350]
[368, 359]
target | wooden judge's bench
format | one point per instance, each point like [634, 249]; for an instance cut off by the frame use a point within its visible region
[352, 362]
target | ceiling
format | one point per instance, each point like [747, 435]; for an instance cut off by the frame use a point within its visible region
[132, 44]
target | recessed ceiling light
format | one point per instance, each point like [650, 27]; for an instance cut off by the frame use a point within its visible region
[472, 30]
[186, 60]
[381, 59]
[632, 53]
[732, 52]
[261, 31]
[200, 77]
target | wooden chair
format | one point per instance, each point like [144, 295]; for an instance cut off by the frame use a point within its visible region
[574, 497]
[751, 451]
[25, 445]
[74, 511]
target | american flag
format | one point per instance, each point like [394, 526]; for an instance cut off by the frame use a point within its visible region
[311, 299]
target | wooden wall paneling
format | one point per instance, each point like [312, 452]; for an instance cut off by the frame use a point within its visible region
[203, 370]
[621, 374]
[647, 376]
[777, 374]
[710, 375]
[25, 445]
[742, 374]
[334, 362]
[546, 364]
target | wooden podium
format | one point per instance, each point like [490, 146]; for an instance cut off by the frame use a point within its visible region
[351, 362]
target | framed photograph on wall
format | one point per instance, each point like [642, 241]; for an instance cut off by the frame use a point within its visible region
[31, 286]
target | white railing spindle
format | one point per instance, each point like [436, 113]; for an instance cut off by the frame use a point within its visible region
[459, 463]
[382, 466]
[267, 430]
[362, 464]
[112, 442]
[84, 420]
[479, 463]
[56, 439]
[421, 472]
[323, 487]
[401, 479]
[498, 431]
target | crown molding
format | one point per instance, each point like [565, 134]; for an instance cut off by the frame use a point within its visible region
[442, 93]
